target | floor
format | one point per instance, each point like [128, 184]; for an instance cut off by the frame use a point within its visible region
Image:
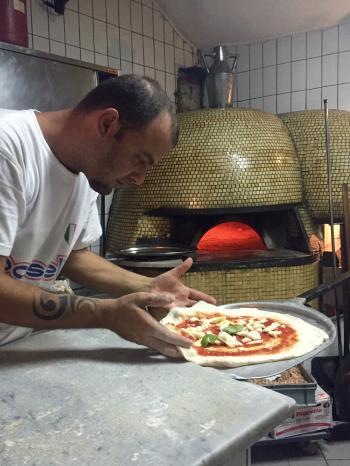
[321, 453]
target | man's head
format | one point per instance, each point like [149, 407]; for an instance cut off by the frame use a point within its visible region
[130, 124]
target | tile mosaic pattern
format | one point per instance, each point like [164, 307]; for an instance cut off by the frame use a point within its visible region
[225, 158]
[308, 133]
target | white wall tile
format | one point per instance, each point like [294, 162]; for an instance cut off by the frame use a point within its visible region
[188, 58]
[112, 14]
[126, 67]
[344, 96]
[344, 67]
[255, 56]
[168, 32]
[148, 47]
[284, 49]
[243, 85]
[269, 80]
[283, 103]
[113, 41]
[136, 17]
[158, 25]
[313, 99]
[169, 58]
[269, 52]
[73, 5]
[344, 37]
[257, 104]
[298, 101]
[57, 48]
[270, 104]
[41, 43]
[137, 48]
[179, 57]
[160, 77]
[159, 55]
[313, 40]
[283, 78]
[114, 63]
[125, 45]
[125, 14]
[100, 37]
[73, 52]
[313, 72]
[330, 40]
[329, 69]
[256, 88]
[299, 46]
[178, 41]
[86, 32]
[147, 21]
[71, 25]
[40, 21]
[244, 104]
[85, 7]
[56, 28]
[298, 75]
[138, 69]
[29, 16]
[88, 56]
[150, 72]
[101, 59]
[99, 9]
[170, 86]
[243, 58]
[331, 94]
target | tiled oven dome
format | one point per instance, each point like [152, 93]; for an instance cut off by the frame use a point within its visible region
[225, 158]
[307, 129]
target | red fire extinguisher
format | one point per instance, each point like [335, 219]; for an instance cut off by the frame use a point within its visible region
[13, 22]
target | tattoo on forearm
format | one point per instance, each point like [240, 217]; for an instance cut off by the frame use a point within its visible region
[51, 307]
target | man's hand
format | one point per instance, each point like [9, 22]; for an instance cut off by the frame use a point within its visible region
[171, 282]
[127, 316]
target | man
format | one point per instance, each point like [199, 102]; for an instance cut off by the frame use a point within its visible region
[48, 164]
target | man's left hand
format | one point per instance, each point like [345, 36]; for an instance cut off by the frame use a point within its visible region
[171, 282]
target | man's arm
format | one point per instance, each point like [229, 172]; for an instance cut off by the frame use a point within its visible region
[29, 306]
[93, 271]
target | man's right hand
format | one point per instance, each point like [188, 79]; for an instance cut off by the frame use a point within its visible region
[127, 316]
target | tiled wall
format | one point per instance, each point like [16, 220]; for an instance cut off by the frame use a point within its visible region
[295, 72]
[132, 36]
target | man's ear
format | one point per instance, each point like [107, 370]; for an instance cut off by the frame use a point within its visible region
[108, 122]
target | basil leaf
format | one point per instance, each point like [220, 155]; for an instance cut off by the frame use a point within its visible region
[207, 339]
[233, 329]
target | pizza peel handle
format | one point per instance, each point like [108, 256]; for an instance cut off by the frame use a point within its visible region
[324, 288]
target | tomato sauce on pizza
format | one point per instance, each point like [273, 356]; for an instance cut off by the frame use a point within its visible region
[217, 334]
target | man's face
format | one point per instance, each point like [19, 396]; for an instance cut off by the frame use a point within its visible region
[124, 158]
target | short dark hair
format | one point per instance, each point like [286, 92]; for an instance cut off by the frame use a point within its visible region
[138, 99]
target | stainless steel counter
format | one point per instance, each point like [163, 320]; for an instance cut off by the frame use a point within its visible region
[87, 397]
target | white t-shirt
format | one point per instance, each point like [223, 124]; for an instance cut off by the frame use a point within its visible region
[46, 211]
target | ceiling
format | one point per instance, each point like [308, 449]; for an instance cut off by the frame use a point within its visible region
[210, 22]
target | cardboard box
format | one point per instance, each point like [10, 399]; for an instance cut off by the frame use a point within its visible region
[307, 419]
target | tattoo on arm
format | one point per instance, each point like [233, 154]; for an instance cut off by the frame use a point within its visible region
[52, 307]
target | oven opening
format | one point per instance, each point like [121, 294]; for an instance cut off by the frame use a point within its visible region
[230, 236]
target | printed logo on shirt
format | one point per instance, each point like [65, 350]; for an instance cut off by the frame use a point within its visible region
[68, 236]
[35, 270]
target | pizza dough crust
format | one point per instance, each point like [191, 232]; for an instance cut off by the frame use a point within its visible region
[309, 336]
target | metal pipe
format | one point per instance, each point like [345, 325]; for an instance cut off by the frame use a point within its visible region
[331, 213]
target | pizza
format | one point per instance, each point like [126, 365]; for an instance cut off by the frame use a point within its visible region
[241, 336]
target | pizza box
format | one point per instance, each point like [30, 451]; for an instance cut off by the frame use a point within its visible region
[307, 419]
[303, 393]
